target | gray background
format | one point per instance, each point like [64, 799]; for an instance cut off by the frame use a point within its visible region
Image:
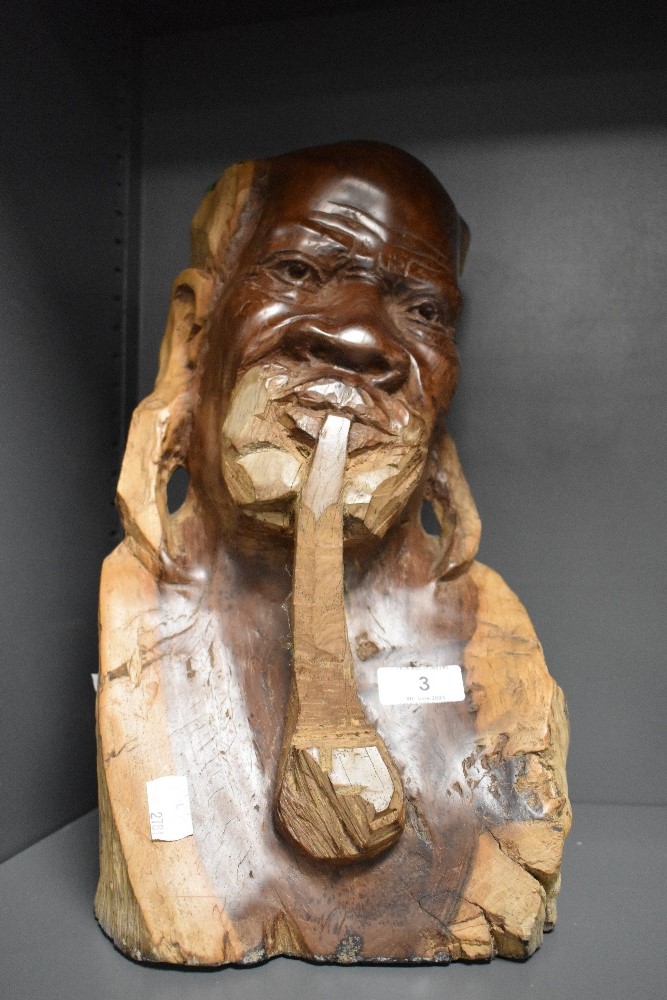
[546, 124]
[64, 198]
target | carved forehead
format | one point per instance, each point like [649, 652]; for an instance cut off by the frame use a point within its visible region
[369, 189]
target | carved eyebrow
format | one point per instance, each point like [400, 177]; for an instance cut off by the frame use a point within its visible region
[411, 287]
[286, 237]
[409, 284]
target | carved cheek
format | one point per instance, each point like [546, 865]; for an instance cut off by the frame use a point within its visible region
[257, 327]
[418, 392]
[440, 376]
[449, 380]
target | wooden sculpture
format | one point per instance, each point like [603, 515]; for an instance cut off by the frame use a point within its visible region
[322, 731]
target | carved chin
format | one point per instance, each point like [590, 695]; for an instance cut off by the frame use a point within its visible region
[265, 457]
[266, 484]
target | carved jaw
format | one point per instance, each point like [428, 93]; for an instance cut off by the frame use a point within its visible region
[273, 422]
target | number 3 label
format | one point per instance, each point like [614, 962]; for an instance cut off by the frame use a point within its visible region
[420, 684]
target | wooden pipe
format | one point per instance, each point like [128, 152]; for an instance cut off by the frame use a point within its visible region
[339, 796]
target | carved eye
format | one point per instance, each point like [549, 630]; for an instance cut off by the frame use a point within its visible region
[296, 272]
[426, 310]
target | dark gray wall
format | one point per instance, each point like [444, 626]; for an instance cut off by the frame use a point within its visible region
[546, 123]
[63, 198]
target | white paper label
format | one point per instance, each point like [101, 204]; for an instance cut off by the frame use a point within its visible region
[419, 684]
[169, 807]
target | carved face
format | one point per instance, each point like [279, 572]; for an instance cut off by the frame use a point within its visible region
[343, 300]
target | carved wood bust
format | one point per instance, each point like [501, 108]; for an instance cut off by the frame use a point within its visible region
[372, 747]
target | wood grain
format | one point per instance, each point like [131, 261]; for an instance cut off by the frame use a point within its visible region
[339, 797]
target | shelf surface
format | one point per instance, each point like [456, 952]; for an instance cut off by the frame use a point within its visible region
[608, 942]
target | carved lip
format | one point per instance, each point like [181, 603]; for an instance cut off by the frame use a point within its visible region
[345, 393]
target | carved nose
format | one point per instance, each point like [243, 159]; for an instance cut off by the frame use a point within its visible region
[360, 341]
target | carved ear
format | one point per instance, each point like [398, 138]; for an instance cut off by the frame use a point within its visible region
[159, 434]
[454, 507]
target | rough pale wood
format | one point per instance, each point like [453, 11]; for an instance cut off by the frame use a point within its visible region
[339, 796]
[240, 637]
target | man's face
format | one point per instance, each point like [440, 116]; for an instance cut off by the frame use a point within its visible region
[336, 306]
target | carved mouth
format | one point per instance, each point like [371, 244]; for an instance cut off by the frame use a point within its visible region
[305, 401]
[334, 393]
